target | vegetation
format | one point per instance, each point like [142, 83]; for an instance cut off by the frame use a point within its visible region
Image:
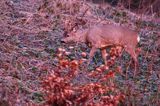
[36, 69]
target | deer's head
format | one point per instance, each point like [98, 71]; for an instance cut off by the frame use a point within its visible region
[78, 36]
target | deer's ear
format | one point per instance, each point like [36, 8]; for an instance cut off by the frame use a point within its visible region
[74, 30]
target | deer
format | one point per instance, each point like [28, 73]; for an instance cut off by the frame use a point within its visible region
[103, 36]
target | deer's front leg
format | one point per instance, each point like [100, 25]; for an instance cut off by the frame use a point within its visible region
[104, 55]
[91, 54]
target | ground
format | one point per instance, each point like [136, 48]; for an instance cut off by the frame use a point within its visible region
[30, 34]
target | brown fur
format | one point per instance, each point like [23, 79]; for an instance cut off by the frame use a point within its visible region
[102, 36]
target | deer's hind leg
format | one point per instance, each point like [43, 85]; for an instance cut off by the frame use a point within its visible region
[133, 54]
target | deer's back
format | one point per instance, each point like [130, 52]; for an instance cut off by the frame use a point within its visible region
[104, 35]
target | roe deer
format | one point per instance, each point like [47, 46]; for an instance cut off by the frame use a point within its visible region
[101, 36]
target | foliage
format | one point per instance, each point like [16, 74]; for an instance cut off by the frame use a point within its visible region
[33, 69]
[61, 87]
